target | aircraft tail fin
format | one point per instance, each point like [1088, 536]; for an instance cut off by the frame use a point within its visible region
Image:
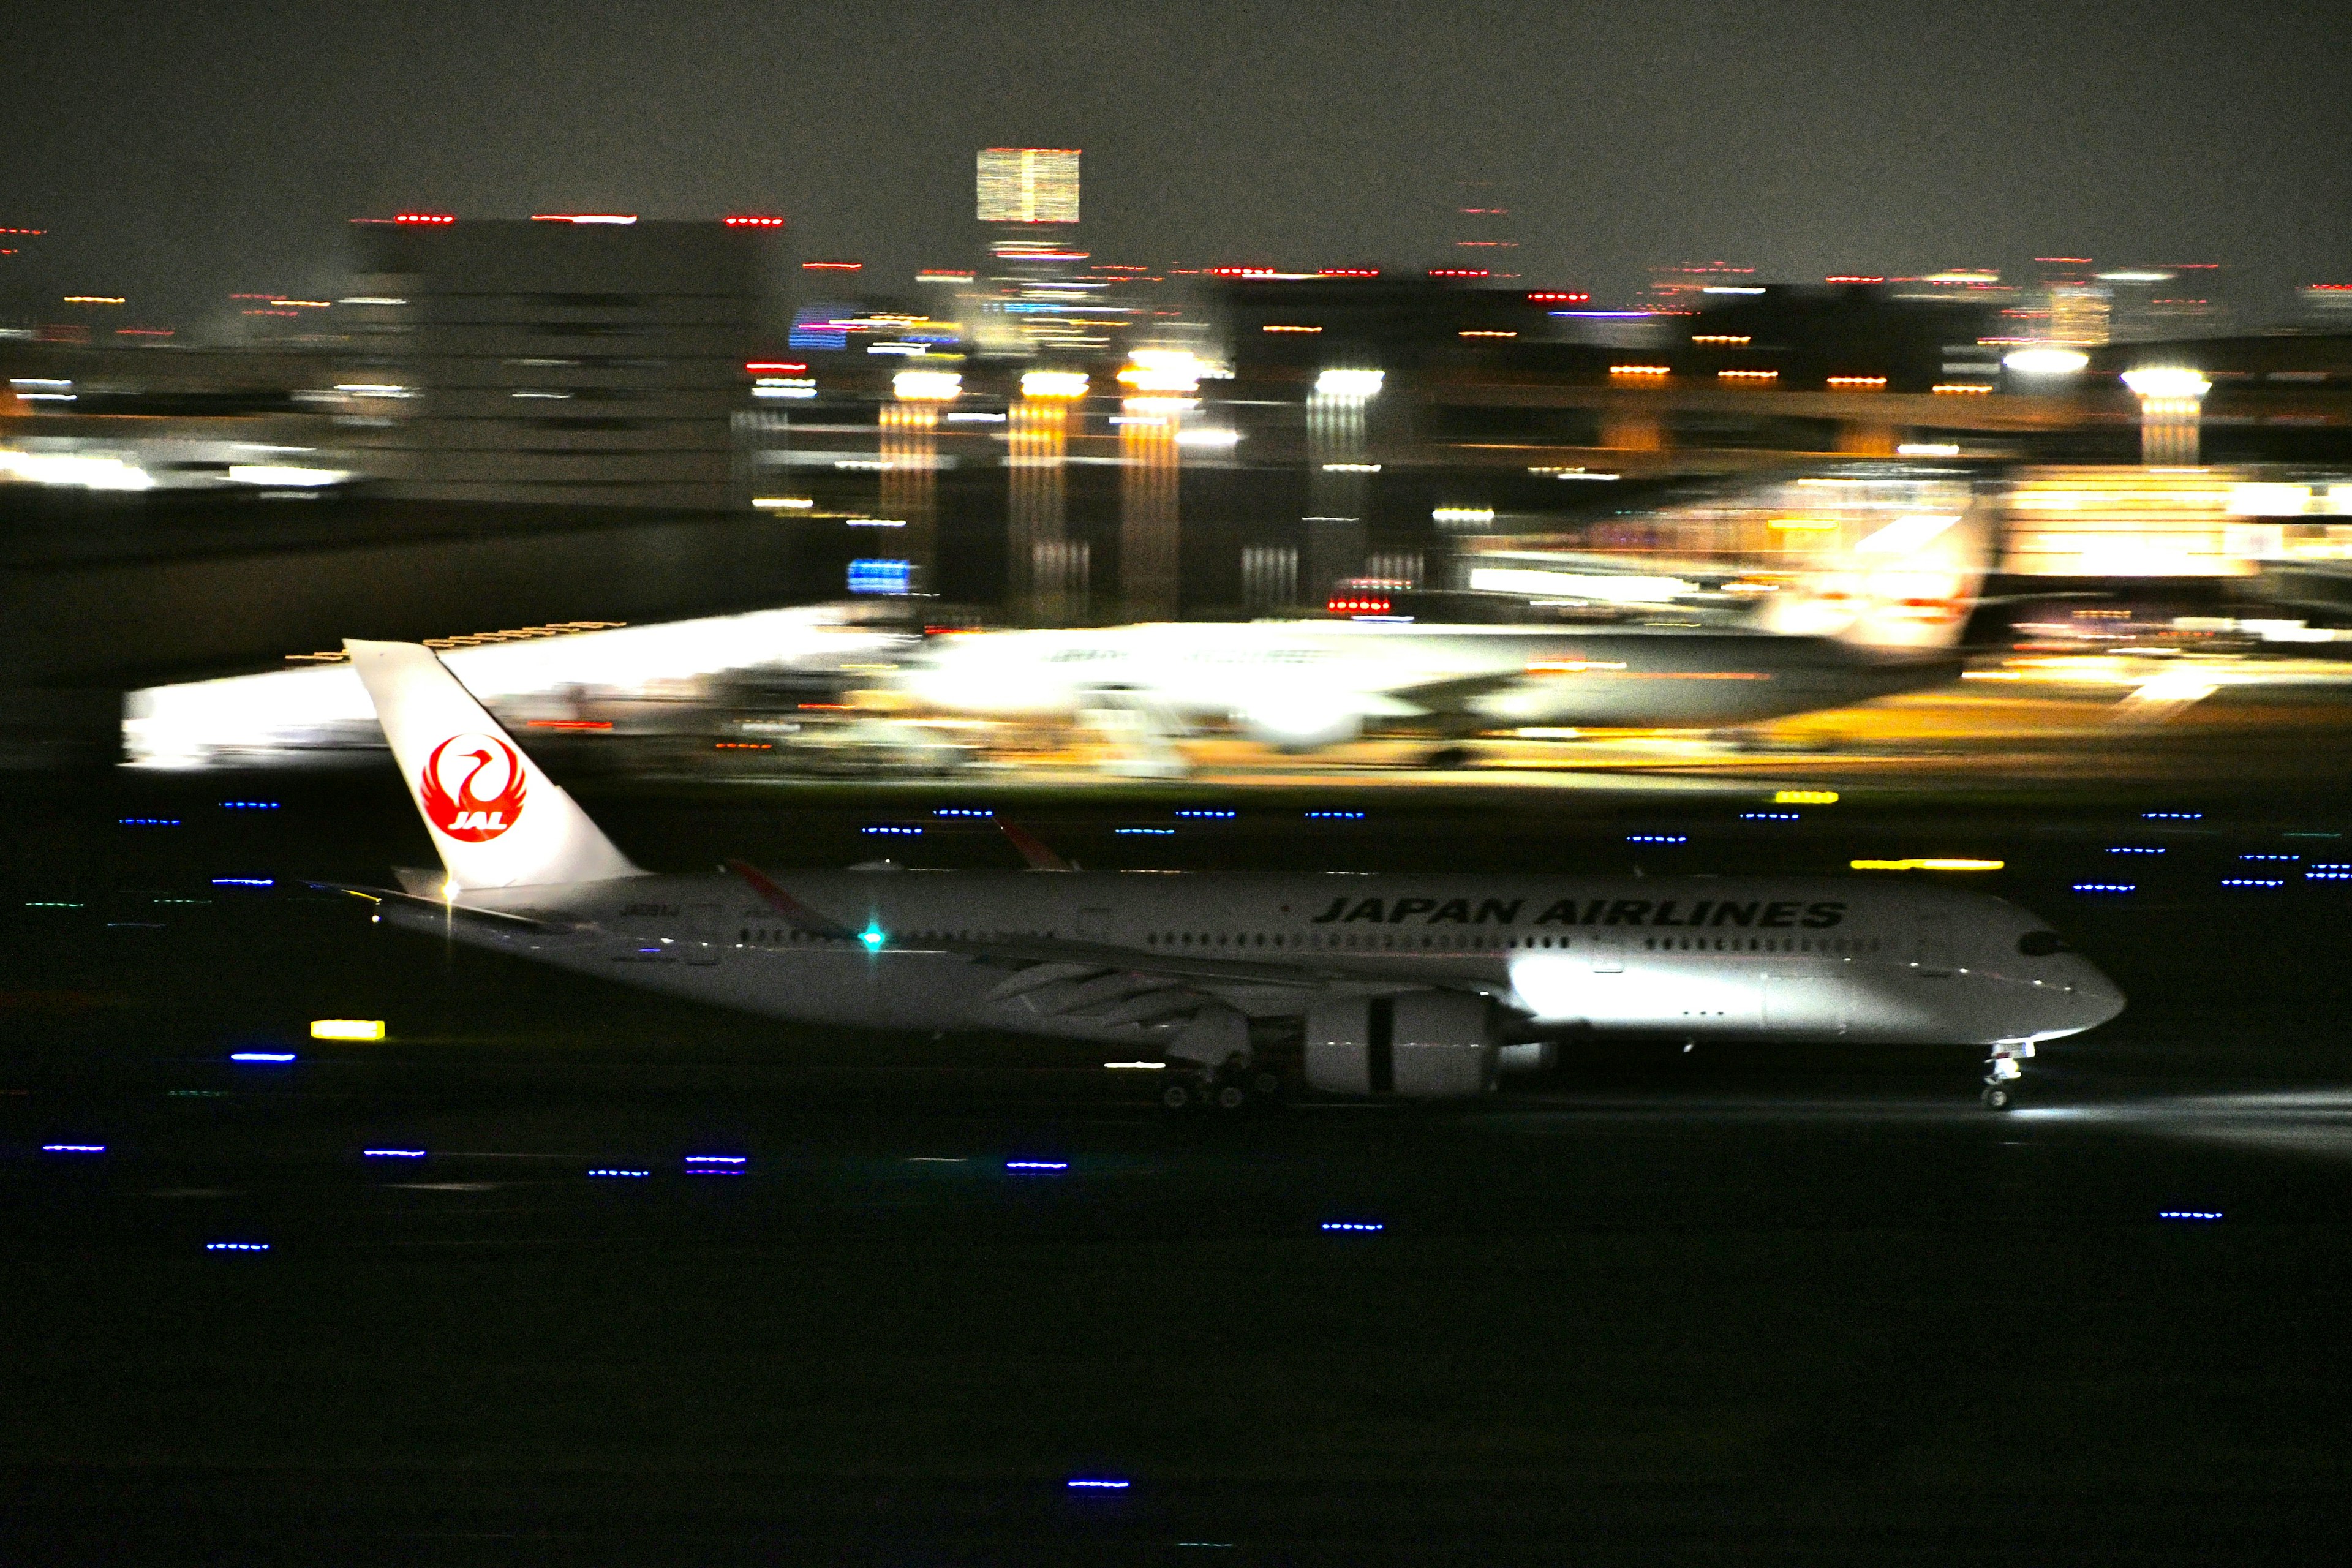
[1908, 586]
[497, 820]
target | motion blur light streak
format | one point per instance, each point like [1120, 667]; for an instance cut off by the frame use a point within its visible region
[1926, 864]
[261, 1056]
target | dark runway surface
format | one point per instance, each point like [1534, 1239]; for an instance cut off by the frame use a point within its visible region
[1650, 1308]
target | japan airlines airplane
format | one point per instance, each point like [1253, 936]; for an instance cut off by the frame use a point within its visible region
[1415, 986]
[1881, 618]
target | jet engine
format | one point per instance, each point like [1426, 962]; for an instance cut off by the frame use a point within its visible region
[1417, 1045]
[1299, 721]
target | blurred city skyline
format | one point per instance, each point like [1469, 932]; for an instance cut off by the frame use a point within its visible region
[175, 160]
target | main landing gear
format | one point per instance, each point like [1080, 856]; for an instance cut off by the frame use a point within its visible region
[1235, 1089]
[2004, 1075]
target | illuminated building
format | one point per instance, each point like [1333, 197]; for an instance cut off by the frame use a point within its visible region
[1692, 285]
[1037, 294]
[1029, 185]
[580, 359]
[2328, 303]
[1483, 239]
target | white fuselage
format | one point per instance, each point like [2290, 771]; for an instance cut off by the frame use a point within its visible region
[1687, 957]
[1302, 684]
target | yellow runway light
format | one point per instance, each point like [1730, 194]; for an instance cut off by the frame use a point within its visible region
[1926, 864]
[346, 1028]
[1804, 797]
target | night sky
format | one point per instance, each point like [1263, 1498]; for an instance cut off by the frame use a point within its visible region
[178, 153]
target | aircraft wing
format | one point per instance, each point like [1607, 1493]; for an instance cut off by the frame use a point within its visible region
[498, 919]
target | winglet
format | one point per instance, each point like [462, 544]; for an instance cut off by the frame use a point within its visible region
[792, 909]
[1034, 851]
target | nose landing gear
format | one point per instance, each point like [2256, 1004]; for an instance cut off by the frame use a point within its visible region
[2003, 1073]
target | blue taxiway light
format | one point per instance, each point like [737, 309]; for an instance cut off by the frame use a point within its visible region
[2270, 856]
[2172, 816]
[248, 805]
[619, 1172]
[962, 811]
[2131, 850]
[2327, 876]
[2251, 882]
[1334, 816]
[1770, 816]
[1353, 1225]
[716, 1160]
[2188, 1214]
[261, 1056]
[1656, 838]
[237, 1246]
[392, 1153]
[1190, 811]
[245, 881]
[895, 832]
[149, 821]
[1085, 1483]
[2106, 887]
[1150, 832]
[73, 1148]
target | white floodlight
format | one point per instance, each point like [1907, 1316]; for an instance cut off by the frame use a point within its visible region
[1348, 382]
[2167, 381]
[2047, 362]
[1053, 384]
[927, 386]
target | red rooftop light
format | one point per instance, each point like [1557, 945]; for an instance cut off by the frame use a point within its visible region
[745, 220]
[778, 366]
[1349, 272]
[1459, 272]
[1556, 297]
[425, 217]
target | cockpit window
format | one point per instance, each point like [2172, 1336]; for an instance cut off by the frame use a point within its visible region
[2040, 943]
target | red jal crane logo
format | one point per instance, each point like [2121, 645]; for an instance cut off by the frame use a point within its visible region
[489, 794]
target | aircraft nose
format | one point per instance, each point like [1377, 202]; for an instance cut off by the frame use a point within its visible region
[2096, 997]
